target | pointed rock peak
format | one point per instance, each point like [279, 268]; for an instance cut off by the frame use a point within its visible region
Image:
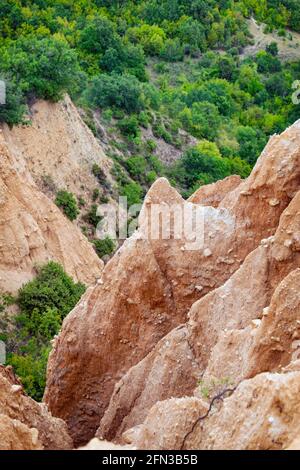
[161, 191]
[280, 157]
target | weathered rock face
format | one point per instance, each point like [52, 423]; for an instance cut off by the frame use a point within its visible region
[58, 148]
[232, 333]
[25, 424]
[15, 435]
[262, 414]
[213, 194]
[268, 344]
[175, 417]
[147, 289]
[33, 230]
[131, 408]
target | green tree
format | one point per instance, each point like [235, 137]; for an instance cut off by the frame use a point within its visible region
[51, 289]
[251, 143]
[136, 166]
[12, 112]
[44, 68]
[124, 92]
[133, 191]
[150, 37]
[104, 247]
[67, 202]
[267, 63]
[99, 35]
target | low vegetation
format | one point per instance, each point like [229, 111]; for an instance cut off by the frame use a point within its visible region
[43, 304]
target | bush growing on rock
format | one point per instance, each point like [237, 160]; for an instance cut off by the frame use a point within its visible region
[104, 247]
[67, 202]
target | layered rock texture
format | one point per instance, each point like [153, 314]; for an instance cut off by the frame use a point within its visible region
[58, 148]
[33, 230]
[168, 313]
[25, 424]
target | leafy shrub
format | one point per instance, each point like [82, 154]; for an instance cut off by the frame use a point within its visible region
[30, 366]
[43, 303]
[272, 49]
[99, 174]
[44, 68]
[51, 289]
[251, 143]
[67, 202]
[123, 92]
[129, 127]
[151, 145]
[160, 132]
[12, 112]
[172, 50]
[151, 176]
[104, 247]
[150, 37]
[96, 194]
[136, 166]
[128, 59]
[133, 191]
[202, 163]
[91, 217]
[99, 35]
[267, 63]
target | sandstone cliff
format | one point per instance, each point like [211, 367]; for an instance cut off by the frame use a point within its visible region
[25, 424]
[112, 361]
[58, 149]
[33, 230]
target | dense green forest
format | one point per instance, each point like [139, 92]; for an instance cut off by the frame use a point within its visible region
[163, 65]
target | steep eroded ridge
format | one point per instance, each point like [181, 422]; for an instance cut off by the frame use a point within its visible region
[147, 290]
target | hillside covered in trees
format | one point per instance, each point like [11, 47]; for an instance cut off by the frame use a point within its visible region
[163, 65]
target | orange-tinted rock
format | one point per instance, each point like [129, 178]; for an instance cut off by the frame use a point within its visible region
[149, 286]
[15, 435]
[222, 337]
[166, 423]
[262, 414]
[26, 424]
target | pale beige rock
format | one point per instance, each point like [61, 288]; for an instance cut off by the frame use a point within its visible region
[167, 422]
[26, 422]
[273, 346]
[33, 231]
[96, 444]
[15, 435]
[149, 286]
[213, 194]
[261, 414]
[295, 445]
[58, 146]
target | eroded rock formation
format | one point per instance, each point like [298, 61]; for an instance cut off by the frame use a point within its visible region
[33, 230]
[58, 148]
[149, 286]
[25, 424]
[213, 194]
[233, 332]
[262, 414]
